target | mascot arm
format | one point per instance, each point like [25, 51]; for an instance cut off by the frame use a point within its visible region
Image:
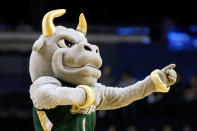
[47, 92]
[113, 97]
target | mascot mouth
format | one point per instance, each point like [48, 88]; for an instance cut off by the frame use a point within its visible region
[87, 70]
[75, 68]
[84, 70]
[89, 65]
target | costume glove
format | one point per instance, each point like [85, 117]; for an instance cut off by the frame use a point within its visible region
[164, 78]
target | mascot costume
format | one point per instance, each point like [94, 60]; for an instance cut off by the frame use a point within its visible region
[64, 69]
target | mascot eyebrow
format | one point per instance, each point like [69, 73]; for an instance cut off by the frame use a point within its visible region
[65, 92]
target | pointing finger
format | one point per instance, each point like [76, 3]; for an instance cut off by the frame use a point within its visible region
[171, 66]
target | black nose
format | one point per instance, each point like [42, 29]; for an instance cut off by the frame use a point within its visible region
[86, 47]
[91, 48]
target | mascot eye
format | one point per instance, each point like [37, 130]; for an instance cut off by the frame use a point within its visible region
[64, 43]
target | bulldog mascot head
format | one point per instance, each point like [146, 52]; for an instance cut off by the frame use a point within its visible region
[65, 53]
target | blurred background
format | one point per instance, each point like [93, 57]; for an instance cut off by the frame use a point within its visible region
[134, 39]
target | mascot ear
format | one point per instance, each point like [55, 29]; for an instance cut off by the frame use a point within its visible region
[38, 44]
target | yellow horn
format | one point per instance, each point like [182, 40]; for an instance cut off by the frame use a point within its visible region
[48, 28]
[82, 26]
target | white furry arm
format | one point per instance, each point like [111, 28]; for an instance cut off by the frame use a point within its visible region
[107, 98]
[47, 92]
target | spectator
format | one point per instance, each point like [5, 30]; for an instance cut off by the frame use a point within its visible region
[187, 127]
[190, 93]
[167, 128]
[22, 27]
[126, 79]
[112, 128]
[152, 129]
[4, 27]
[106, 78]
[130, 110]
[131, 128]
[176, 90]
[153, 98]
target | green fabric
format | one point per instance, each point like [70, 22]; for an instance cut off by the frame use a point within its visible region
[37, 124]
[64, 120]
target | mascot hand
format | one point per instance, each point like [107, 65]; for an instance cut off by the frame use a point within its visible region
[168, 75]
[164, 78]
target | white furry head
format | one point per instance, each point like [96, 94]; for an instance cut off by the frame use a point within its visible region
[66, 55]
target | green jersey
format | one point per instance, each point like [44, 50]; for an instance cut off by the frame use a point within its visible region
[63, 119]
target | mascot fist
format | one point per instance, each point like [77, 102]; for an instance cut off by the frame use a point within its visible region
[168, 75]
[164, 78]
